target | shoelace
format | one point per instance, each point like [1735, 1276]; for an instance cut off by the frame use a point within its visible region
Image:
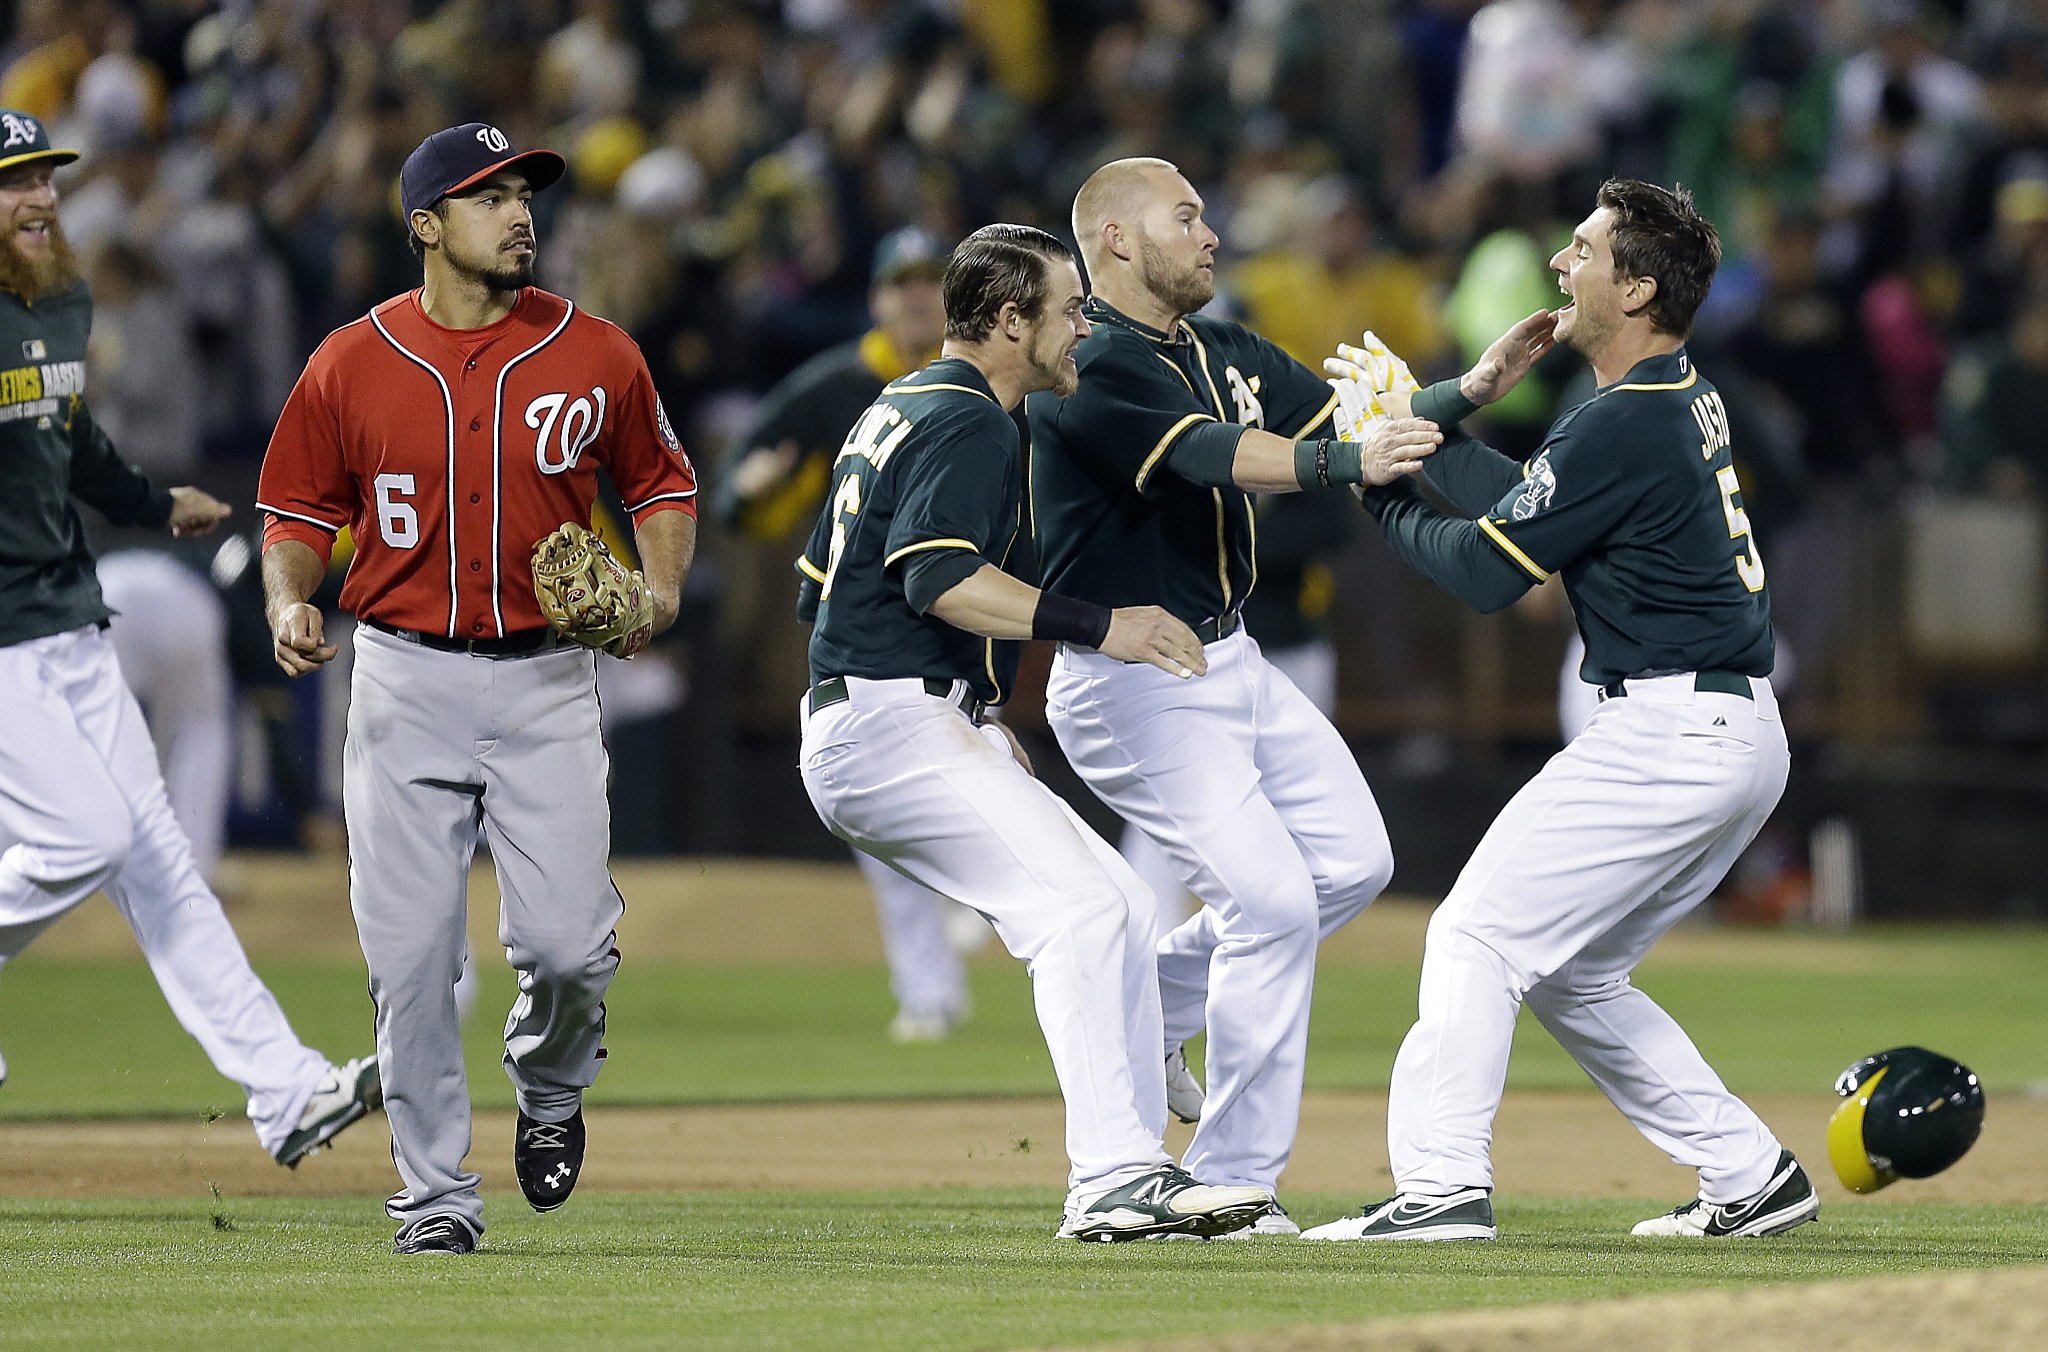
[547, 1136]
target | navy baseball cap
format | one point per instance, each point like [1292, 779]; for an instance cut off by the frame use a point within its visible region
[23, 140]
[461, 157]
[909, 251]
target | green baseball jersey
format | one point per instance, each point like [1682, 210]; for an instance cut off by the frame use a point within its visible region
[51, 450]
[810, 407]
[1633, 499]
[927, 488]
[1117, 520]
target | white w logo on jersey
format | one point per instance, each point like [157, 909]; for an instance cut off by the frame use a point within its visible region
[557, 449]
[493, 139]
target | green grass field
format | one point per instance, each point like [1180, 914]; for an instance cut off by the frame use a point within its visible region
[93, 1039]
[935, 1268]
[948, 1269]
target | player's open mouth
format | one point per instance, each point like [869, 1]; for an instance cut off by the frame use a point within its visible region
[35, 230]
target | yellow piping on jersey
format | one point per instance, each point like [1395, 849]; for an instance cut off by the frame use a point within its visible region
[1222, 542]
[1690, 380]
[1512, 551]
[1145, 470]
[904, 387]
[1313, 423]
[1171, 366]
[921, 545]
[809, 569]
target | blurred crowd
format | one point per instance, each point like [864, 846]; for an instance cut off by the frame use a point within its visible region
[1878, 170]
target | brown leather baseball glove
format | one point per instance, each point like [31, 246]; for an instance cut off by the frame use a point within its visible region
[588, 595]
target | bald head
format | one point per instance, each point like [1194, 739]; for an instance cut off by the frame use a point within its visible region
[1139, 224]
[1116, 194]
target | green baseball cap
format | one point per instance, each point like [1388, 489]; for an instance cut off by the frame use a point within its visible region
[23, 140]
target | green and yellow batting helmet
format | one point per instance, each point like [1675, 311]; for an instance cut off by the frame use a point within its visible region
[1907, 1113]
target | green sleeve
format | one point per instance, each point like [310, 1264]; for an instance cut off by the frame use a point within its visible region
[103, 480]
[1449, 551]
[1125, 417]
[1469, 474]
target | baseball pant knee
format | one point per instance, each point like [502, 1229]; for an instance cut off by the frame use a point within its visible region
[84, 859]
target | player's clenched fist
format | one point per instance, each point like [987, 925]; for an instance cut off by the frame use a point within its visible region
[1397, 446]
[1149, 634]
[297, 641]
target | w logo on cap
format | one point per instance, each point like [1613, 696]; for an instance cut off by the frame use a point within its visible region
[493, 139]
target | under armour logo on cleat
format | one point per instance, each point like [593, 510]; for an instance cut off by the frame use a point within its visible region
[558, 1175]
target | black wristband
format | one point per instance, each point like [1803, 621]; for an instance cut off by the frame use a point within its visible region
[1067, 619]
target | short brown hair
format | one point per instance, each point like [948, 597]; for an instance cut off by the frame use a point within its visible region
[1659, 233]
[995, 266]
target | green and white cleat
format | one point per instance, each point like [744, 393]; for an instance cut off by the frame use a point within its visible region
[345, 1097]
[1167, 1201]
[1413, 1216]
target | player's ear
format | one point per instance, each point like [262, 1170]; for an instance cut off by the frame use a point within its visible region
[1637, 295]
[1010, 320]
[426, 226]
[1116, 240]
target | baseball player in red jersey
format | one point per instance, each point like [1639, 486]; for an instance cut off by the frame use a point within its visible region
[451, 429]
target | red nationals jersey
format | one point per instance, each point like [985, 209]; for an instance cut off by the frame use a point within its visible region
[449, 452]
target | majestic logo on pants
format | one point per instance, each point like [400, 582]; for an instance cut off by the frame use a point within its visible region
[565, 433]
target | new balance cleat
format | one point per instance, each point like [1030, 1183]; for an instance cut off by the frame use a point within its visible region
[1462, 1215]
[1167, 1201]
[348, 1095]
[1786, 1201]
[1184, 1095]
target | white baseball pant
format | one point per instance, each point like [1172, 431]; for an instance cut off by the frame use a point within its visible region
[82, 807]
[1259, 803]
[1610, 845]
[905, 776]
[1313, 669]
[927, 975]
[170, 632]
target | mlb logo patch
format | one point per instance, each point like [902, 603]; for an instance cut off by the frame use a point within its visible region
[32, 349]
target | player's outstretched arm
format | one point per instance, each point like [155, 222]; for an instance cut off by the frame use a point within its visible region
[291, 572]
[993, 604]
[194, 511]
[1386, 450]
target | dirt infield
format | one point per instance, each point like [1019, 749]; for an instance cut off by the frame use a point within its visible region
[1554, 1144]
[1954, 1312]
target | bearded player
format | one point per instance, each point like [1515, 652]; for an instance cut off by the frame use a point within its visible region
[82, 802]
[1633, 501]
[451, 430]
[1141, 486]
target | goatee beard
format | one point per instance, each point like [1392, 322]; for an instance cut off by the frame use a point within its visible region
[34, 279]
[519, 275]
[1183, 294]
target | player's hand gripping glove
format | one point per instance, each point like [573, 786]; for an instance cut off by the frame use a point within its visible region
[588, 595]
